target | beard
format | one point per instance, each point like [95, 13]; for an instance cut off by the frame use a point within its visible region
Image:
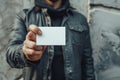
[53, 1]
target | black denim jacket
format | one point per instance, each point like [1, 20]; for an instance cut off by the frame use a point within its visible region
[78, 61]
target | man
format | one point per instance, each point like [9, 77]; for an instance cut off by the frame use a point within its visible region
[70, 62]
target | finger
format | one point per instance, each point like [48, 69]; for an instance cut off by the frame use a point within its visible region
[30, 44]
[28, 51]
[31, 36]
[40, 48]
[35, 29]
[32, 55]
[35, 57]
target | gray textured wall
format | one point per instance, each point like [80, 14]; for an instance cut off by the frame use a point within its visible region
[8, 8]
[104, 17]
[105, 33]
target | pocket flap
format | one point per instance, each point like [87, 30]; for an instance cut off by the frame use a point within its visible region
[79, 28]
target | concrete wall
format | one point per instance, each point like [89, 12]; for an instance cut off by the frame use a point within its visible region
[103, 16]
[8, 9]
[105, 33]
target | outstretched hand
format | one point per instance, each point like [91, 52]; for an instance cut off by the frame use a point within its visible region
[31, 51]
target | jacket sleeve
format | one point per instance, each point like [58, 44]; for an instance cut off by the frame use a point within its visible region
[87, 59]
[14, 54]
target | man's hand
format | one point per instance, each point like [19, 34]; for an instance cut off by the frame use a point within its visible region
[31, 51]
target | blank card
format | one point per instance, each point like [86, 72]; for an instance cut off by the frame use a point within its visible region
[51, 36]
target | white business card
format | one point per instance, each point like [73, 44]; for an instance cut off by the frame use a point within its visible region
[51, 36]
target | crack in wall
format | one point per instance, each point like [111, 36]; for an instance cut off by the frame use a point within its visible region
[92, 6]
[104, 8]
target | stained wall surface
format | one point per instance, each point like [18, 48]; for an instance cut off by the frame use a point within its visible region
[105, 33]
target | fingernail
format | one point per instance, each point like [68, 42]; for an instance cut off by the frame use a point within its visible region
[39, 32]
[31, 53]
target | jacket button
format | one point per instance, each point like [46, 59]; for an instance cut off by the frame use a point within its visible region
[79, 29]
[71, 27]
[70, 71]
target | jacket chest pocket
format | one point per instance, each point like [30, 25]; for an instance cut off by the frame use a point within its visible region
[77, 34]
